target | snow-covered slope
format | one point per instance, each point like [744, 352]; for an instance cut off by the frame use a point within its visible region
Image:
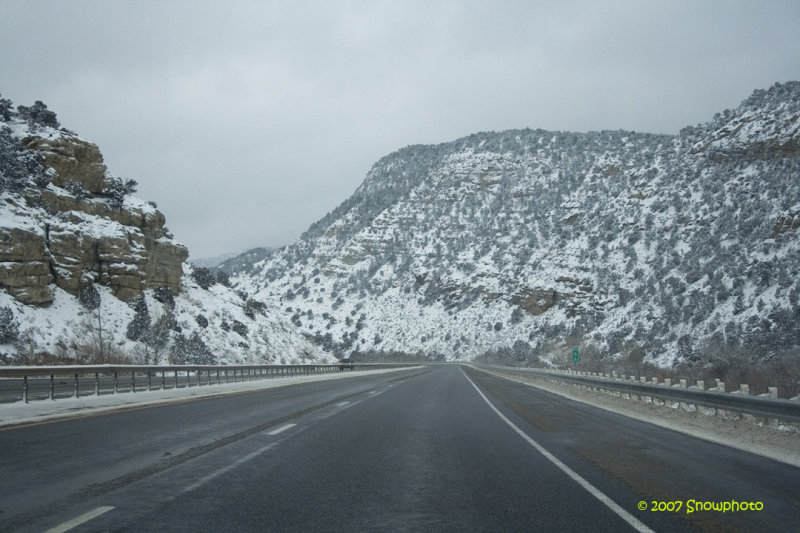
[529, 242]
[89, 273]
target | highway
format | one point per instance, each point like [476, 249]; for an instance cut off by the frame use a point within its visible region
[439, 448]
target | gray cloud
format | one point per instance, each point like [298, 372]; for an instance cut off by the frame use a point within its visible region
[247, 121]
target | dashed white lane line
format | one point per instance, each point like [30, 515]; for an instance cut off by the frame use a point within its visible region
[281, 429]
[82, 519]
[342, 404]
[249, 457]
[594, 491]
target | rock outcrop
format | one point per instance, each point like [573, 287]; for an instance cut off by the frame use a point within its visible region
[72, 242]
[72, 158]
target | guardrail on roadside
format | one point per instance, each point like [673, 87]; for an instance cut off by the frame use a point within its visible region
[741, 401]
[25, 383]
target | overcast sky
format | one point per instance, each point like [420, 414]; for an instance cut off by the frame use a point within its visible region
[248, 121]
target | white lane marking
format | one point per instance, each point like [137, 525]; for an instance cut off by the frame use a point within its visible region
[342, 404]
[202, 481]
[75, 522]
[281, 429]
[594, 491]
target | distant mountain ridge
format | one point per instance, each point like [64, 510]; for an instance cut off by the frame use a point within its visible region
[529, 242]
[243, 262]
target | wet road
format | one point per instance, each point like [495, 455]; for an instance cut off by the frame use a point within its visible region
[444, 448]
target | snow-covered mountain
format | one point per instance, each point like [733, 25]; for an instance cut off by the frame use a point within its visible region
[529, 242]
[89, 273]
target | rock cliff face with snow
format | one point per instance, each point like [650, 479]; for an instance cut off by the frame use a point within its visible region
[75, 239]
[79, 255]
[527, 243]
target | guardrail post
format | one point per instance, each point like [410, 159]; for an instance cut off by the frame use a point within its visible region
[116, 382]
[97, 383]
[52, 394]
[149, 381]
[133, 381]
[25, 389]
[176, 379]
[77, 386]
[163, 381]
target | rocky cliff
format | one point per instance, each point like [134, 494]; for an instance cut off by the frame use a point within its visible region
[88, 270]
[76, 239]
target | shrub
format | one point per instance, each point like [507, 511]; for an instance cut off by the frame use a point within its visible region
[38, 114]
[5, 109]
[18, 165]
[9, 329]
[204, 277]
[76, 189]
[89, 297]
[239, 328]
[116, 189]
[191, 350]
[223, 278]
[140, 323]
[164, 295]
[251, 307]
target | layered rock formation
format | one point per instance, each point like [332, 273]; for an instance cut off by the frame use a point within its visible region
[55, 238]
[89, 273]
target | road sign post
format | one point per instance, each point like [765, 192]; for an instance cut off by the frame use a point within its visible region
[575, 357]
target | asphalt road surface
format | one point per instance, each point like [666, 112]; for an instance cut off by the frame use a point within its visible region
[442, 448]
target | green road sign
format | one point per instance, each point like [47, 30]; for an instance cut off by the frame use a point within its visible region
[575, 356]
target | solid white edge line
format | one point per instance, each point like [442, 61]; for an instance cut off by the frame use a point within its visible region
[594, 491]
[75, 522]
[281, 429]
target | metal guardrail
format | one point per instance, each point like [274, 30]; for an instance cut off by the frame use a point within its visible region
[735, 401]
[25, 383]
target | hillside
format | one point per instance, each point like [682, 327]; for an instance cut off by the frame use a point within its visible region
[90, 273]
[526, 243]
